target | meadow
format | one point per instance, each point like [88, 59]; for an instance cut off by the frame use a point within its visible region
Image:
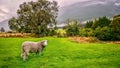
[60, 53]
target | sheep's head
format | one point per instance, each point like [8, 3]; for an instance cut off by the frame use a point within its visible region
[44, 42]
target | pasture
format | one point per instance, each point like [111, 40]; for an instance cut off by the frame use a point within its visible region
[60, 53]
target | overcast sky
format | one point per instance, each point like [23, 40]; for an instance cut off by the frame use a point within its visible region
[8, 8]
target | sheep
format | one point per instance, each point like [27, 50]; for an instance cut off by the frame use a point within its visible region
[35, 47]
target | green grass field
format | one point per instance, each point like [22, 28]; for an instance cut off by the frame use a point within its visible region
[60, 53]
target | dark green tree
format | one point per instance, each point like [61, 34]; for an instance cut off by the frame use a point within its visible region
[95, 24]
[104, 33]
[35, 17]
[2, 29]
[89, 24]
[13, 25]
[101, 22]
[115, 25]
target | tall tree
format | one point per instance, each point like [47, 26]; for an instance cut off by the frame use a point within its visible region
[95, 24]
[35, 17]
[115, 24]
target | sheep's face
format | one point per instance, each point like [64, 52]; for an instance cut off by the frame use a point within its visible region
[45, 43]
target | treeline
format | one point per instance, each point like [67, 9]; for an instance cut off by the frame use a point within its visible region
[39, 18]
[103, 28]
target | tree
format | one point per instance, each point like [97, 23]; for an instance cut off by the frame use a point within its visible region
[89, 24]
[2, 29]
[72, 29]
[35, 17]
[95, 24]
[13, 25]
[101, 22]
[115, 25]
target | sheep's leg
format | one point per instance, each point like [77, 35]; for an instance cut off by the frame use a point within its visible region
[39, 51]
[27, 52]
[24, 56]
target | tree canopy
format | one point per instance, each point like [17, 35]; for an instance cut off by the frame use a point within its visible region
[35, 17]
[115, 25]
[101, 22]
[89, 24]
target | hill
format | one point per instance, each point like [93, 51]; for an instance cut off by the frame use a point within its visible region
[4, 24]
[89, 10]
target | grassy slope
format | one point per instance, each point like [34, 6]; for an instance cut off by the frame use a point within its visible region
[60, 53]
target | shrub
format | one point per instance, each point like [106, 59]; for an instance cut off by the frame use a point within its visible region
[72, 29]
[104, 33]
[61, 33]
[87, 32]
[52, 32]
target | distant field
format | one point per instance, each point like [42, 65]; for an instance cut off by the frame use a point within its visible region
[60, 53]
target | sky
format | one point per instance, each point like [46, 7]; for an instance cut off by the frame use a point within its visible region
[8, 8]
[68, 2]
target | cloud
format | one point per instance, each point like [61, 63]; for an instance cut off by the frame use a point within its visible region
[62, 3]
[4, 13]
[3, 9]
[117, 4]
[8, 8]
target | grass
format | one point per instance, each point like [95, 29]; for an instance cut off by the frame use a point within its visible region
[60, 53]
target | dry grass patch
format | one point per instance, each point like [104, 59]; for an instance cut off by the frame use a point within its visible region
[117, 42]
[14, 35]
[84, 39]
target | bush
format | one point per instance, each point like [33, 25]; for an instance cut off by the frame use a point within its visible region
[72, 29]
[61, 33]
[52, 32]
[87, 32]
[104, 33]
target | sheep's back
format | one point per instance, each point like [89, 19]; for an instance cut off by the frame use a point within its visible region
[30, 45]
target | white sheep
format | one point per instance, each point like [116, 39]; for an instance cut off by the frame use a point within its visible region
[35, 47]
